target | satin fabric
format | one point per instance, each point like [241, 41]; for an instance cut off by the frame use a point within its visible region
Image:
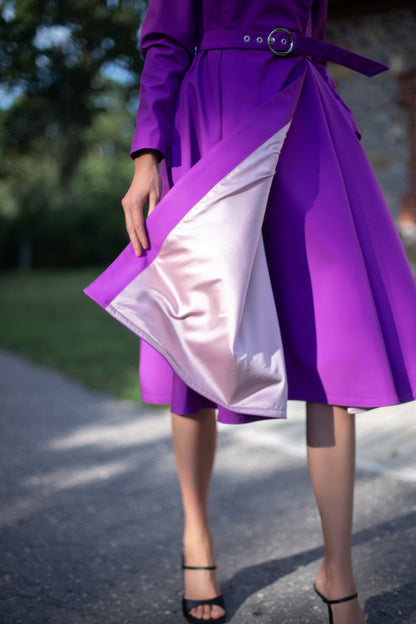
[194, 296]
[207, 324]
[343, 291]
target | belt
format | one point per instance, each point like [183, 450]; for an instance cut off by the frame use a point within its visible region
[283, 42]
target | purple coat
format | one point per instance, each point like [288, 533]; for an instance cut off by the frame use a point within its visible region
[275, 269]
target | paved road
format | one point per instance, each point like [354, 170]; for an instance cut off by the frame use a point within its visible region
[91, 521]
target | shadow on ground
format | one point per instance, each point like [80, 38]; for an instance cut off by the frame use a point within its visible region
[91, 521]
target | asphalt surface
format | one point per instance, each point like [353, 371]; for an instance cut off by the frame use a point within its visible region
[90, 516]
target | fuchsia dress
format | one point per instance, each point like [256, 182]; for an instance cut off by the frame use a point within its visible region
[275, 269]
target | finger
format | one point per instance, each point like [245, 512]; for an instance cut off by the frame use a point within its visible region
[131, 231]
[142, 236]
[140, 230]
[135, 241]
[153, 200]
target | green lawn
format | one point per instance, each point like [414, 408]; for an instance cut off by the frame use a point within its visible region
[46, 317]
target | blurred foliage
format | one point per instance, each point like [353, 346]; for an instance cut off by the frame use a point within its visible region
[71, 69]
[55, 53]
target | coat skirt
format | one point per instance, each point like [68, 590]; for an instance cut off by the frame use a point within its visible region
[275, 270]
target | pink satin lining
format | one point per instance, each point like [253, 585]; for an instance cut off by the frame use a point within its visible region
[206, 302]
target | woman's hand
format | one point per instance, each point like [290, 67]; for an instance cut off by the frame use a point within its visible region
[145, 188]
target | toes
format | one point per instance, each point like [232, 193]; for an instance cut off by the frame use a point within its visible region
[206, 612]
[197, 612]
[217, 612]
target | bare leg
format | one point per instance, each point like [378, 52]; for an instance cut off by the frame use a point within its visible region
[194, 440]
[331, 460]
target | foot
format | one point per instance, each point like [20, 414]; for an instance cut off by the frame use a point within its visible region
[345, 612]
[201, 584]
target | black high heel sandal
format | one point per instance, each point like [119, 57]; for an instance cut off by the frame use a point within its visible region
[332, 602]
[188, 603]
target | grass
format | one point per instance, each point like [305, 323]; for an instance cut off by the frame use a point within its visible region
[46, 317]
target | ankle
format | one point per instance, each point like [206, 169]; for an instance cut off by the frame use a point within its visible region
[198, 547]
[335, 582]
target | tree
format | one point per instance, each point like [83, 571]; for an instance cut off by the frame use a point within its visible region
[63, 63]
[57, 57]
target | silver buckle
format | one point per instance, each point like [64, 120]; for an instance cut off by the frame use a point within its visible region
[271, 40]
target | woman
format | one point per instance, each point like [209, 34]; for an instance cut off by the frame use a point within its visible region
[272, 237]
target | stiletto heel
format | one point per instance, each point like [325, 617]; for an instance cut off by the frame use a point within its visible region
[332, 602]
[188, 603]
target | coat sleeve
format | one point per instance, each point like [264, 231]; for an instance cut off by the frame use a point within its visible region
[167, 42]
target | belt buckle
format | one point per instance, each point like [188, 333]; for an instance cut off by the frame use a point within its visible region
[271, 40]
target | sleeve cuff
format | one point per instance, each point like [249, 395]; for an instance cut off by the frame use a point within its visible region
[134, 154]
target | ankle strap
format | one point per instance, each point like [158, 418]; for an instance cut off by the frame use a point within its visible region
[352, 597]
[331, 602]
[186, 567]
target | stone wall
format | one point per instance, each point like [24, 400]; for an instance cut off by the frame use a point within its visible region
[384, 105]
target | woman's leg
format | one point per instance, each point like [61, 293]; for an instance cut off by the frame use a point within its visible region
[331, 460]
[194, 440]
